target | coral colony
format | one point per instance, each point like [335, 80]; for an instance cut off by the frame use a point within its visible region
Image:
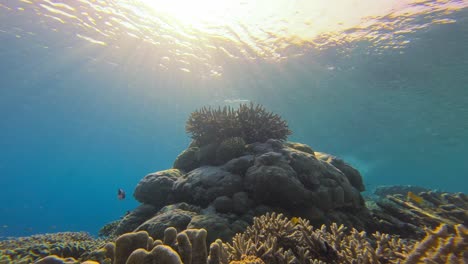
[242, 193]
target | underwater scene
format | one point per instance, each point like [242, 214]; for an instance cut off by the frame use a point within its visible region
[231, 132]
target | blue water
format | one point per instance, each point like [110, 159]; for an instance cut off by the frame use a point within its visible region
[80, 120]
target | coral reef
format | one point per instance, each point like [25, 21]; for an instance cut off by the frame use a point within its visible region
[135, 218]
[229, 149]
[108, 229]
[188, 246]
[276, 239]
[238, 167]
[408, 215]
[29, 249]
[272, 176]
[239, 181]
[351, 173]
[250, 122]
[188, 160]
[273, 238]
[383, 191]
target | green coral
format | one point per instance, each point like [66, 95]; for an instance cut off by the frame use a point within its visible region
[251, 122]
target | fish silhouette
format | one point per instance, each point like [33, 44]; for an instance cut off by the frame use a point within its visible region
[414, 197]
[121, 194]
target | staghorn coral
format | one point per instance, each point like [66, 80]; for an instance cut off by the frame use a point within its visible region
[276, 239]
[250, 122]
[208, 125]
[259, 125]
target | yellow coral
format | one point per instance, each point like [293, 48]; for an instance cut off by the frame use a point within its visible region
[248, 260]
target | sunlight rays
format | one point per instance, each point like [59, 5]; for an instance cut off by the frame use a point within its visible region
[196, 37]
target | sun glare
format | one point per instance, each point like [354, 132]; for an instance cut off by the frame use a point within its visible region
[198, 36]
[262, 19]
[194, 13]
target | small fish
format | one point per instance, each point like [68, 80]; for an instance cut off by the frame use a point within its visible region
[121, 194]
[295, 220]
[414, 197]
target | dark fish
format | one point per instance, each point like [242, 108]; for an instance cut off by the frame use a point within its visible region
[121, 194]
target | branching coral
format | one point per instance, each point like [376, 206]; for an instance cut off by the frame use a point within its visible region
[272, 234]
[250, 122]
[276, 239]
[259, 125]
[208, 125]
[273, 238]
[440, 246]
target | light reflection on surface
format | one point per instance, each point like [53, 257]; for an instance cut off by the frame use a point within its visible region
[195, 36]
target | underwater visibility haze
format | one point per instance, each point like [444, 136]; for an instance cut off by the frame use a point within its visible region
[94, 95]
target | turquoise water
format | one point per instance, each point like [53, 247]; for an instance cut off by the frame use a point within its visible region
[83, 115]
